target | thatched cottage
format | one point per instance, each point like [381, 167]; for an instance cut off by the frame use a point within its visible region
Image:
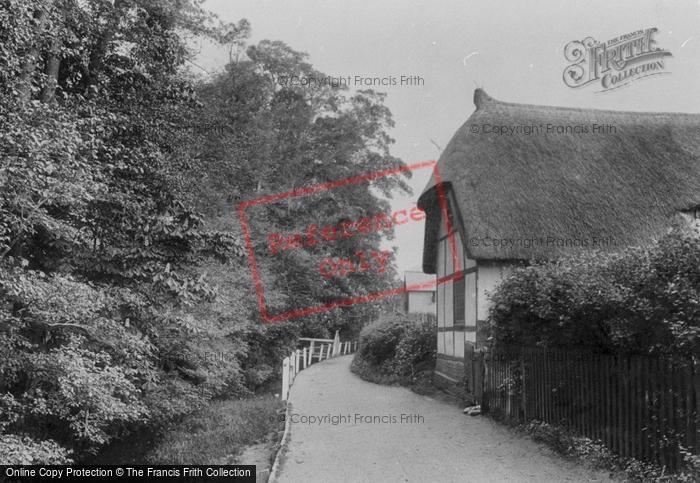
[524, 182]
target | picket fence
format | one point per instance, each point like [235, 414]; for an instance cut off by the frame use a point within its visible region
[641, 407]
[302, 358]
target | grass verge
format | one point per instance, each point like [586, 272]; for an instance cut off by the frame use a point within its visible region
[220, 431]
[582, 450]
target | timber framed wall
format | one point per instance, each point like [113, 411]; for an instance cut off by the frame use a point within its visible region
[456, 304]
[462, 305]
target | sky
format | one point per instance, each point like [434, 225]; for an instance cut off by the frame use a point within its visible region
[514, 50]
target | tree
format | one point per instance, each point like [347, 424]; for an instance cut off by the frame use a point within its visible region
[120, 252]
[285, 137]
[101, 249]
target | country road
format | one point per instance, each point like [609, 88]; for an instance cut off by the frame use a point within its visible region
[390, 434]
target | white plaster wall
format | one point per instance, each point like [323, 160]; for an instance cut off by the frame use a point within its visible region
[468, 263]
[470, 337]
[489, 276]
[459, 344]
[449, 304]
[440, 268]
[449, 343]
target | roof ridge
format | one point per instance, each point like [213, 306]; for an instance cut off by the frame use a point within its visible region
[483, 100]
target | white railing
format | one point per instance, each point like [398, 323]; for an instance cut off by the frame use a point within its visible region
[292, 364]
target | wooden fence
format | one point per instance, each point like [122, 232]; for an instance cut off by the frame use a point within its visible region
[302, 358]
[641, 407]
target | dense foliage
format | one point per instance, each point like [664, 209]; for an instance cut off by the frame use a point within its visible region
[639, 301]
[125, 298]
[399, 343]
[309, 136]
[218, 433]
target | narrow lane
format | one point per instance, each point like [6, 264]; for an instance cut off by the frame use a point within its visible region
[390, 434]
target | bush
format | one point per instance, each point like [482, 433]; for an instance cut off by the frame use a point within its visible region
[82, 364]
[639, 301]
[18, 450]
[417, 347]
[379, 339]
[397, 344]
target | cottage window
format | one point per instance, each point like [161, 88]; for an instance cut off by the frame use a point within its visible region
[459, 302]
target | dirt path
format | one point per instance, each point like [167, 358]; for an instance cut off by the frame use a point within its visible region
[438, 444]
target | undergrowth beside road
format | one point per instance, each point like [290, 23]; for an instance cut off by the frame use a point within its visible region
[370, 373]
[399, 350]
[571, 445]
[221, 430]
[394, 348]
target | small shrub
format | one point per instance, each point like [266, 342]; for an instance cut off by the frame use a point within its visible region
[379, 339]
[417, 347]
[395, 347]
[557, 439]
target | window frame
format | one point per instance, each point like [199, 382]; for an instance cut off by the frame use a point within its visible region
[459, 302]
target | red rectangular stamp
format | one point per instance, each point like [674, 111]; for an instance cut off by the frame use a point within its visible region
[278, 243]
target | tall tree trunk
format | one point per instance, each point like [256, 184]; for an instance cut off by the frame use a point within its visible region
[48, 92]
[98, 52]
[32, 58]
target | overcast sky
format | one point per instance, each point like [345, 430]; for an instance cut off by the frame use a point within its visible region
[512, 49]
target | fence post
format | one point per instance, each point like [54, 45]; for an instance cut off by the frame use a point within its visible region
[311, 353]
[336, 343]
[285, 378]
[296, 362]
[304, 357]
[328, 351]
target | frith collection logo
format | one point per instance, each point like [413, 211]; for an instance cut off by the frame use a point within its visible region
[615, 63]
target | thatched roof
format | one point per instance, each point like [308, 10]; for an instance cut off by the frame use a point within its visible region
[627, 184]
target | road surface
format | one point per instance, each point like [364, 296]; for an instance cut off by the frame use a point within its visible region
[390, 434]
